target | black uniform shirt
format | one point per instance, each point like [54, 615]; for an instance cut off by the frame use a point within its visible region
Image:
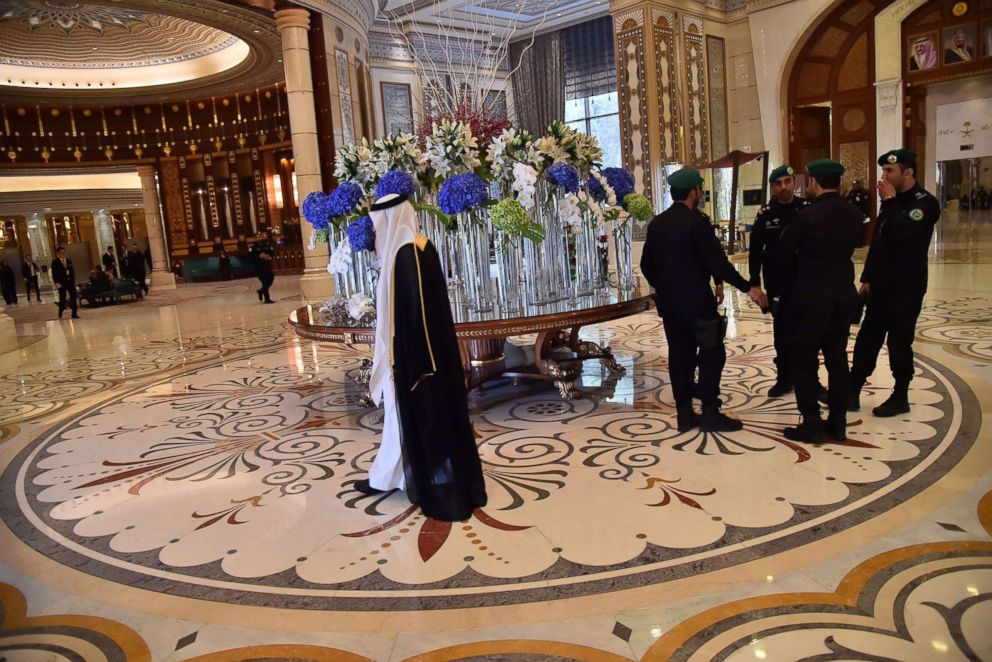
[897, 259]
[681, 254]
[769, 223]
[821, 241]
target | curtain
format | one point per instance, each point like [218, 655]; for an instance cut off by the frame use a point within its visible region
[538, 83]
[590, 66]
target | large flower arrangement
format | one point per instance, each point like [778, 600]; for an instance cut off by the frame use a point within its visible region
[482, 124]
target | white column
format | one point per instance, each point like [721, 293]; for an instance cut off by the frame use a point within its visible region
[293, 26]
[161, 276]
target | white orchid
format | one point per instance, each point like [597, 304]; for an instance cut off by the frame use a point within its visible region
[359, 305]
[340, 262]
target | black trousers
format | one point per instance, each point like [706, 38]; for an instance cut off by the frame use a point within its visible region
[32, 282]
[782, 339]
[264, 289]
[685, 353]
[888, 318]
[67, 293]
[816, 326]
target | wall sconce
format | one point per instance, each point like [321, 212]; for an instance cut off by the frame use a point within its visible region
[296, 191]
[277, 185]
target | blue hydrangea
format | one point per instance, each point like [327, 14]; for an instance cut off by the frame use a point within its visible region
[596, 189]
[343, 200]
[398, 182]
[314, 210]
[620, 180]
[361, 234]
[462, 192]
[564, 176]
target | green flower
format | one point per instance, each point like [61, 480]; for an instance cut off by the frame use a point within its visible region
[510, 217]
[639, 206]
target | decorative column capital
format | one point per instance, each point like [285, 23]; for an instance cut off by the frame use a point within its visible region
[292, 17]
[146, 171]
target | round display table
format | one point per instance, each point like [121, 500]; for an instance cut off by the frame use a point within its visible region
[558, 352]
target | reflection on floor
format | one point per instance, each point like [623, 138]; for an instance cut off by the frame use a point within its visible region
[177, 483]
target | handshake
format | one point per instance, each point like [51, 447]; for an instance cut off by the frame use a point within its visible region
[759, 297]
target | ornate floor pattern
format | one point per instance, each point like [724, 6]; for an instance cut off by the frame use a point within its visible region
[217, 470]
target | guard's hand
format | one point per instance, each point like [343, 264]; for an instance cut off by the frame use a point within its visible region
[759, 297]
[886, 190]
[719, 294]
[864, 289]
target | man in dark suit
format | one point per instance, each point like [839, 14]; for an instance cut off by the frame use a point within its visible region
[681, 255]
[109, 261]
[30, 271]
[821, 241]
[265, 275]
[65, 279]
[136, 267]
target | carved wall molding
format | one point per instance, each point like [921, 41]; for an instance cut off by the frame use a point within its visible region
[26, 202]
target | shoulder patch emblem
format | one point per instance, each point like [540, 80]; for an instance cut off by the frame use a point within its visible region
[916, 214]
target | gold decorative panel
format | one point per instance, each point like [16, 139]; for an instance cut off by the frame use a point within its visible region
[633, 108]
[815, 81]
[665, 53]
[858, 13]
[855, 157]
[697, 121]
[854, 71]
[854, 119]
[829, 43]
[717, 80]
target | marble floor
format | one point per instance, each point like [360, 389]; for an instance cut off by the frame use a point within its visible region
[176, 483]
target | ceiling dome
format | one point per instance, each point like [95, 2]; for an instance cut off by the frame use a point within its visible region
[73, 47]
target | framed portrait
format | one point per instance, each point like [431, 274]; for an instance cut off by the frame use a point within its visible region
[959, 44]
[987, 39]
[922, 52]
[397, 108]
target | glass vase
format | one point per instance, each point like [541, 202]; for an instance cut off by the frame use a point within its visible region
[509, 264]
[541, 260]
[622, 240]
[474, 236]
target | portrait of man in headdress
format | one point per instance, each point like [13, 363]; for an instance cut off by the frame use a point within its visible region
[922, 53]
[959, 44]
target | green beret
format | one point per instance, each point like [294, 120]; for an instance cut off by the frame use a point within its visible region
[784, 170]
[903, 156]
[685, 178]
[824, 167]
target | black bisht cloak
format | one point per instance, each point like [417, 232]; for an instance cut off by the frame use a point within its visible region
[440, 458]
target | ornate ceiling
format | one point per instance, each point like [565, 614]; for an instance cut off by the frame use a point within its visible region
[134, 49]
[522, 15]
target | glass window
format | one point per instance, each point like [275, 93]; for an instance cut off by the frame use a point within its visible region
[598, 116]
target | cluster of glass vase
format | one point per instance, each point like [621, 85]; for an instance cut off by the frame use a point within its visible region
[488, 270]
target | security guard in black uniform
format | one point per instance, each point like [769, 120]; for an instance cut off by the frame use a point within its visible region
[894, 279]
[765, 257]
[681, 254]
[822, 239]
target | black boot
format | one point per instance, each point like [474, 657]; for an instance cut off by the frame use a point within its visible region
[810, 431]
[687, 419]
[854, 399]
[259, 293]
[836, 428]
[715, 421]
[779, 389]
[898, 403]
